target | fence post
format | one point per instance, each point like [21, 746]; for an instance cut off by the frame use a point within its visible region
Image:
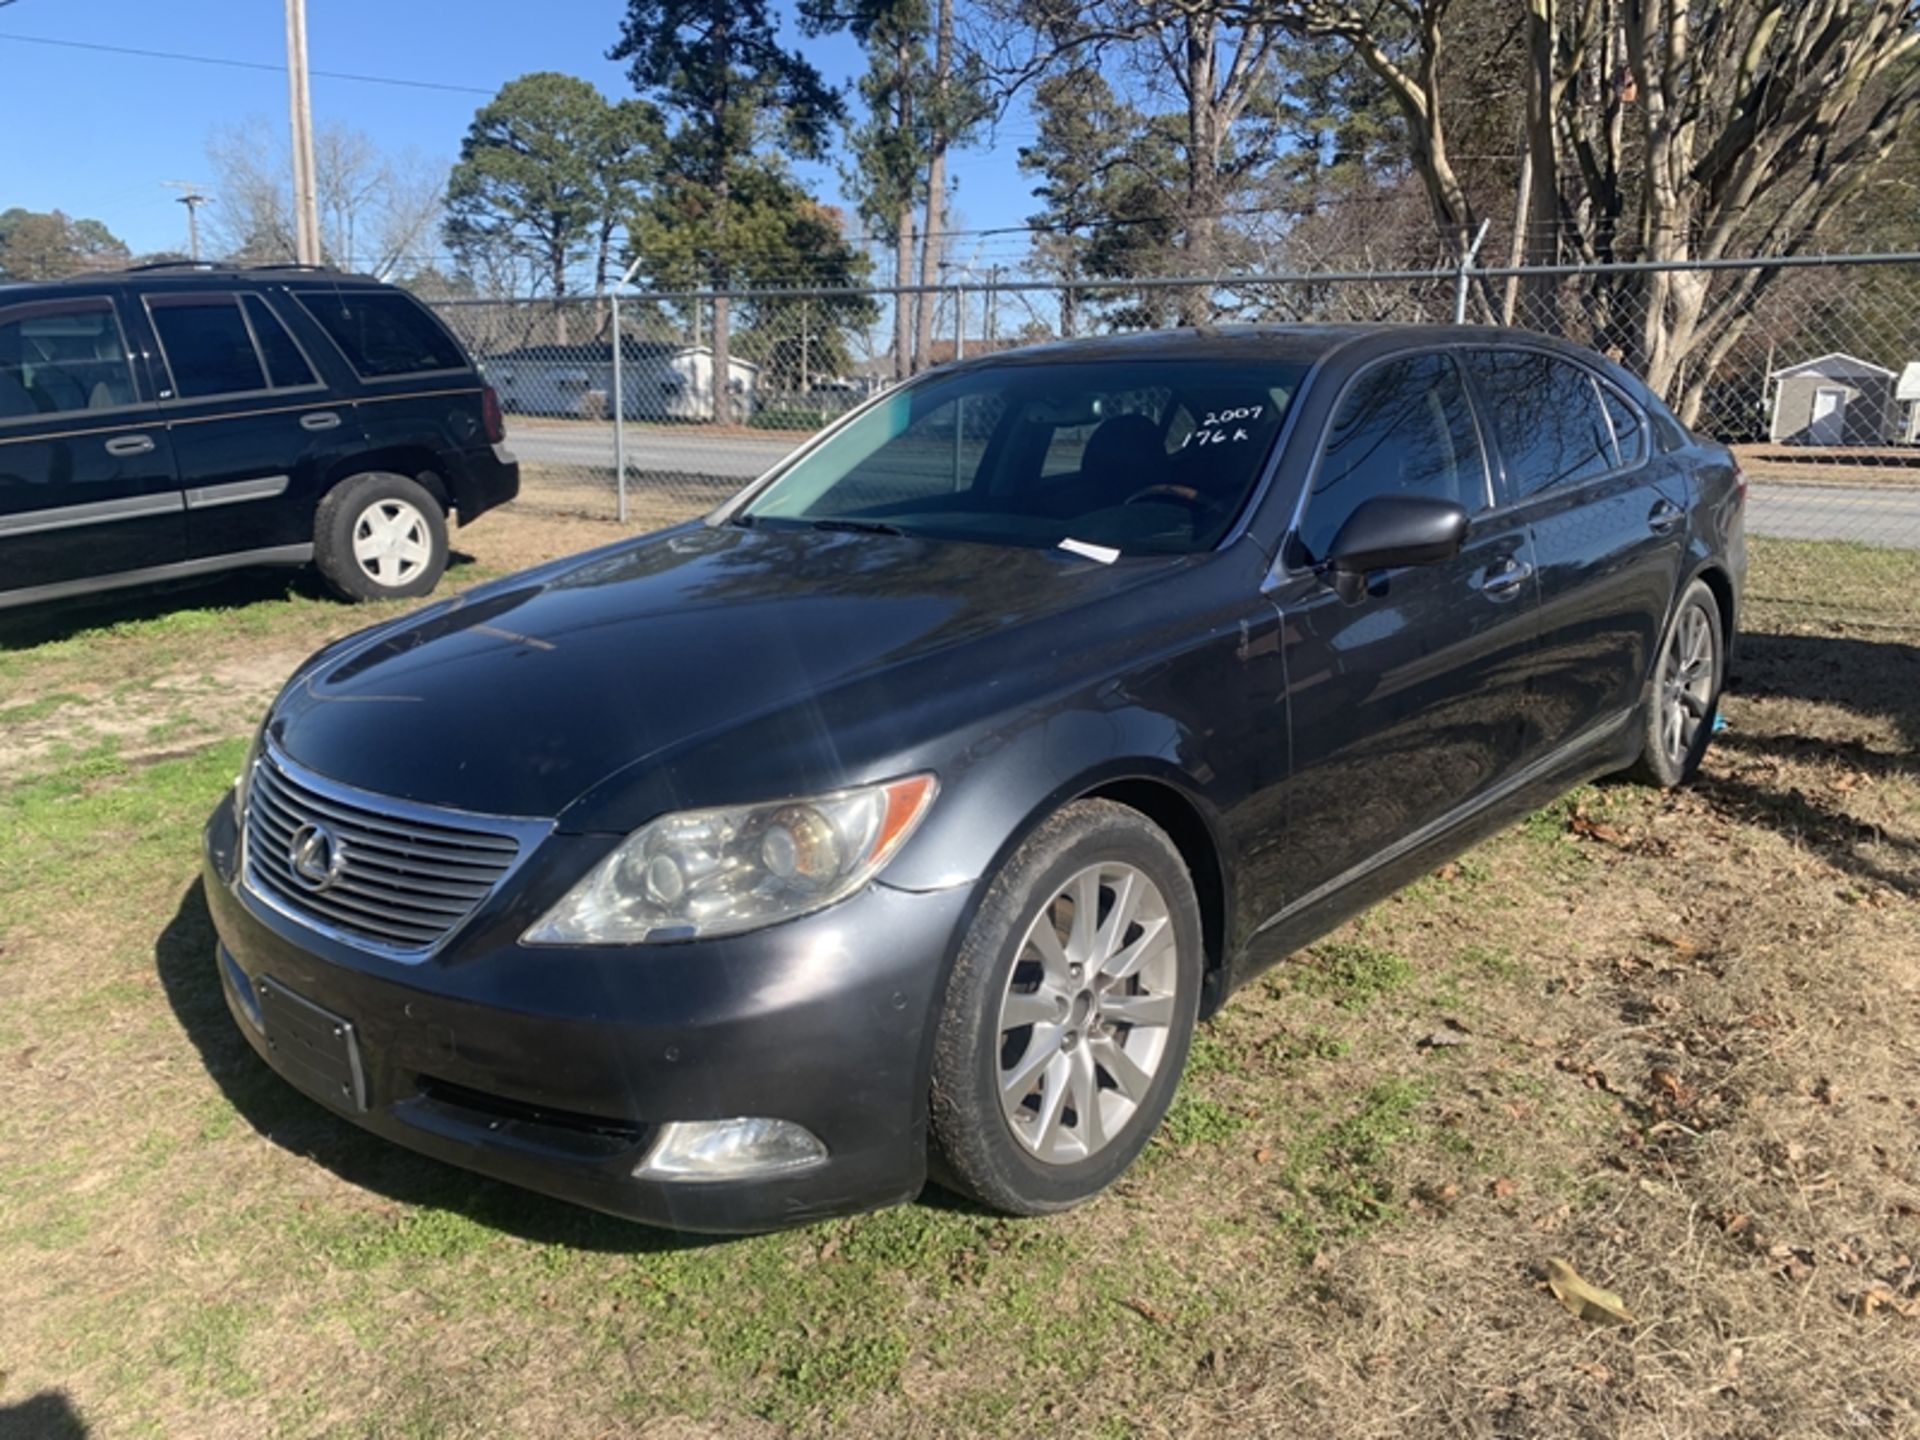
[1465, 273]
[619, 415]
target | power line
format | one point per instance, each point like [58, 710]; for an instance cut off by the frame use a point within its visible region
[393, 80]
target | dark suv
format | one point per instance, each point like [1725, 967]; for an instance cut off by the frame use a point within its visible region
[175, 420]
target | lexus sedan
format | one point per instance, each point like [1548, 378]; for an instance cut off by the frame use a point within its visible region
[904, 815]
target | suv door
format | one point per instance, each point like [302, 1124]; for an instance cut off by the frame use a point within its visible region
[1407, 707]
[257, 431]
[87, 487]
[1608, 535]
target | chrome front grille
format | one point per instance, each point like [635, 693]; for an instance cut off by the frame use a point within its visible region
[370, 869]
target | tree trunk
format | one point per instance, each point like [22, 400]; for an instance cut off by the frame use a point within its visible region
[902, 301]
[559, 298]
[1203, 171]
[1542, 213]
[936, 182]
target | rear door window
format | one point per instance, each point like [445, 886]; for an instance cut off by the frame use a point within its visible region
[1629, 433]
[383, 333]
[208, 348]
[1404, 428]
[63, 357]
[287, 368]
[1546, 415]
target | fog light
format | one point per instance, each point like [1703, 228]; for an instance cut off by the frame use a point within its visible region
[730, 1150]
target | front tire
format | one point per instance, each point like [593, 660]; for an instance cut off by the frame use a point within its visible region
[380, 537]
[1069, 1013]
[1684, 695]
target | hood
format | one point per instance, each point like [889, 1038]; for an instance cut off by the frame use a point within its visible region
[517, 697]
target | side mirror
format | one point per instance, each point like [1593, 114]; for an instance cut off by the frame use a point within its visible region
[1391, 530]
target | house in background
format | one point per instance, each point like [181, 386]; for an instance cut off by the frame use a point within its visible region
[1835, 399]
[664, 380]
[1906, 391]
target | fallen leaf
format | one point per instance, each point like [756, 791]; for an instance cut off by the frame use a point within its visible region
[1501, 1188]
[1262, 1155]
[1883, 1297]
[1595, 1370]
[1598, 830]
[1679, 944]
[1584, 1300]
[1668, 1081]
[1145, 1311]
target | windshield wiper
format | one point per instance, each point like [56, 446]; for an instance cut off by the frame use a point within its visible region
[860, 527]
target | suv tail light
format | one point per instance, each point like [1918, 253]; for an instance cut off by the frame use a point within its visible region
[491, 419]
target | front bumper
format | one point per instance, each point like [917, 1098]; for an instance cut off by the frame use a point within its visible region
[553, 1068]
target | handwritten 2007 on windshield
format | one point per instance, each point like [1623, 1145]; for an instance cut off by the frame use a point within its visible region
[1223, 427]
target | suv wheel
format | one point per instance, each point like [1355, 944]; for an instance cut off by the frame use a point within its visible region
[1069, 1013]
[380, 537]
[1684, 695]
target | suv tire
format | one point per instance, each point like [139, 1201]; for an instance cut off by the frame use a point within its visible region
[380, 537]
[1030, 1024]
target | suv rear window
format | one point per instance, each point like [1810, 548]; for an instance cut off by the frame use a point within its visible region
[383, 333]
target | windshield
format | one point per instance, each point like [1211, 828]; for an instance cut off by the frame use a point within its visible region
[1139, 457]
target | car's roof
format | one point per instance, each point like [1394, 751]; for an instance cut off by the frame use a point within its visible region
[1303, 344]
[188, 275]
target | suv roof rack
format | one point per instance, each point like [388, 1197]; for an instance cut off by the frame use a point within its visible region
[219, 267]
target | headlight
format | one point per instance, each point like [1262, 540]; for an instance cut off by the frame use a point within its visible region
[719, 872]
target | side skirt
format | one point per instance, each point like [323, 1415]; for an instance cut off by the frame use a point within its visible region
[180, 570]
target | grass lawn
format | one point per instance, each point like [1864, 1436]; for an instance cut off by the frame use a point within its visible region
[1672, 1039]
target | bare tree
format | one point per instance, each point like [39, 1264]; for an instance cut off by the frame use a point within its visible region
[1664, 130]
[376, 209]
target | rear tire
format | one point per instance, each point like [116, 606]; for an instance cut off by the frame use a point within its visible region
[1683, 697]
[1061, 1041]
[380, 537]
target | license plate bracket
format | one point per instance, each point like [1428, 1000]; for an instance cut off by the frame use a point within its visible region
[316, 1049]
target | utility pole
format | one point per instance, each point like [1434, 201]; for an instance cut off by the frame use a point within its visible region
[306, 214]
[193, 200]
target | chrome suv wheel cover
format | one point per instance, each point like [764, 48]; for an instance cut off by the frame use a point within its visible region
[1686, 682]
[391, 542]
[1088, 1013]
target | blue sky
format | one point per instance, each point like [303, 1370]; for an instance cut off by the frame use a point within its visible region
[96, 134]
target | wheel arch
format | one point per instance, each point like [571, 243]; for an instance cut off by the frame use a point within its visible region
[1715, 577]
[415, 463]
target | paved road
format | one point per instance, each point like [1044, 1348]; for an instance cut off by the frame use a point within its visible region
[733, 457]
[1874, 515]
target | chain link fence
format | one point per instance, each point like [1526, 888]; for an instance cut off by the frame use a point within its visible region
[654, 407]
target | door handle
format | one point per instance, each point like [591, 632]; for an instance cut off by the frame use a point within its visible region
[320, 420]
[122, 446]
[1664, 516]
[1503, 582]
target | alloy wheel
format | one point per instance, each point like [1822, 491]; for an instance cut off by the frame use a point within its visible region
[1086, 1018]
[1686, 683]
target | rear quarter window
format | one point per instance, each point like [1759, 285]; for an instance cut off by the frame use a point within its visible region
[383, 333]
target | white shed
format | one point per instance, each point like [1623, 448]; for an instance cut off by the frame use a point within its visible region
[1833, 399]
[1906, 391]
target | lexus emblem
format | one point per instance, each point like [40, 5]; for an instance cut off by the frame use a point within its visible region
[315, 858]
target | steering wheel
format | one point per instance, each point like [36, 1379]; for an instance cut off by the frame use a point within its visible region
[1179, 494]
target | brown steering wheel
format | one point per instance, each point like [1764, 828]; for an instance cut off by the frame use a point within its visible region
[1181, 494]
